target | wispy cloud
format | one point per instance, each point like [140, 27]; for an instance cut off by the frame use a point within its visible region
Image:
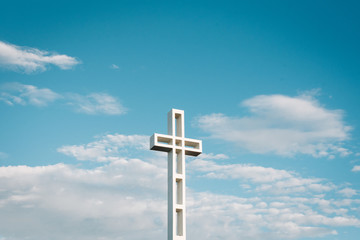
[94, 103]
[356, 168]
[282, 125]
[31, 59]
[97, 103]
[114, 66]
[16, 93]
[107, 148]
[267, 179]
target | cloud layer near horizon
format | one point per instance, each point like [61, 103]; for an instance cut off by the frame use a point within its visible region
[282, 125]
[125, 198]
[30, 60]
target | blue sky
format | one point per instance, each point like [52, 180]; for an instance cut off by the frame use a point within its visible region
[271, 88]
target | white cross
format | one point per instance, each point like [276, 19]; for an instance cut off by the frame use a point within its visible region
[177, 147]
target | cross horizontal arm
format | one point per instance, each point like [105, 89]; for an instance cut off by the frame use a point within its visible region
[161, 142]
[166, 143]
[193, 147]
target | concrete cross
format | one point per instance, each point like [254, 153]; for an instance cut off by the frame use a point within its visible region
[177, 147]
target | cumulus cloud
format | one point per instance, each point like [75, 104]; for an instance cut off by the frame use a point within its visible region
[97, 103]
[348, 192]
[259, 218]
[64, 202]
[31, 59]
[282, 125]
[356, 168]
[17, 93]
[125, 198]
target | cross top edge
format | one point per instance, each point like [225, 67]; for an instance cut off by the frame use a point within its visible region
[177, 111]
[176, 122]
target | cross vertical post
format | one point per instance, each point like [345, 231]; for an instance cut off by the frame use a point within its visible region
[177, 146]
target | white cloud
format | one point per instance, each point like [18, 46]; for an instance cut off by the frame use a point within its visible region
[211, 156]
[237, 171]
[267, 179]
[97, 103]
[126, 199]
[94, 103]
[17, 93]
[356, 168]
[107, 148]
[109, 202]
[348, 192]
[31, 59]
[252, 218]
[282, 125]
[114, 66]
